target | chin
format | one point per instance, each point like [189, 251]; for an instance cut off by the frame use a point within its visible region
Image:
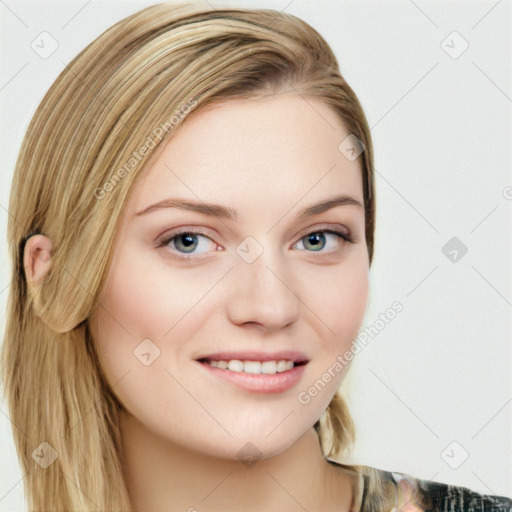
[249, 449]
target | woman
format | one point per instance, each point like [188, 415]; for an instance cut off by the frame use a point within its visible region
[192, 226]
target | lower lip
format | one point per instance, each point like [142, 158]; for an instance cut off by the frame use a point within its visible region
[260, 382]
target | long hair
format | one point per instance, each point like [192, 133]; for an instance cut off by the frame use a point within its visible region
[88, 141]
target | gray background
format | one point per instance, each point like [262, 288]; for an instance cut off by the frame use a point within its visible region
[431, 392]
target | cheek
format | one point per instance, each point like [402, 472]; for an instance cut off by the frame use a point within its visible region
[348, 303]
[338, 305]
[338, 296]
[136, 311]
[147, 299]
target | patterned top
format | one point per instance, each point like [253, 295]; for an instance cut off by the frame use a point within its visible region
[433, 496]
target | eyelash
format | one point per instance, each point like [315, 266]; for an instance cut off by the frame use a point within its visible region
[166, 239]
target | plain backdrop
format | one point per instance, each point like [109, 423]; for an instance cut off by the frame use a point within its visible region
[431, 391]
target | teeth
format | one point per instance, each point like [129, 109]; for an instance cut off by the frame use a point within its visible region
[282, 366]
[266, 367]
[253, 367]
[269, 367]
[236, 366]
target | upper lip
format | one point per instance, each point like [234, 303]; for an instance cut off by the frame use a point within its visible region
[255, 355]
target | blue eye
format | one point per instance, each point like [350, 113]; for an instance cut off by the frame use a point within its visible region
[185, 242]
[188, 241]
[317, 239]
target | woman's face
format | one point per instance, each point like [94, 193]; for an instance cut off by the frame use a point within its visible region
[271, 284]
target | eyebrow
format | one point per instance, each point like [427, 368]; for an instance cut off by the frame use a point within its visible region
[216, 210]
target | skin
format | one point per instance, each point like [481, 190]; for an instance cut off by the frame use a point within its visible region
[183, 427]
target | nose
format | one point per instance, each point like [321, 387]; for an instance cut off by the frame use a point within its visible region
[262, 294]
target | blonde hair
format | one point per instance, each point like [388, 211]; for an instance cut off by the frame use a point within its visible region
[83, 150]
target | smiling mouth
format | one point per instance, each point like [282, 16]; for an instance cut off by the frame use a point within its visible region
[253, 367]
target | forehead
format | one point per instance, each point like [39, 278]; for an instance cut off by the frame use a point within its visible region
[253, 154]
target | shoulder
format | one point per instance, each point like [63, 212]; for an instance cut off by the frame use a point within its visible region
[422, 495]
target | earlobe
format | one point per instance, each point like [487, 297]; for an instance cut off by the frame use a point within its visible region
[37, 258]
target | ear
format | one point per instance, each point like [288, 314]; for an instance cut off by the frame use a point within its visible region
[37, 257]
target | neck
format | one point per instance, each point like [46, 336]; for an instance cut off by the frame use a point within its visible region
[161, 475]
